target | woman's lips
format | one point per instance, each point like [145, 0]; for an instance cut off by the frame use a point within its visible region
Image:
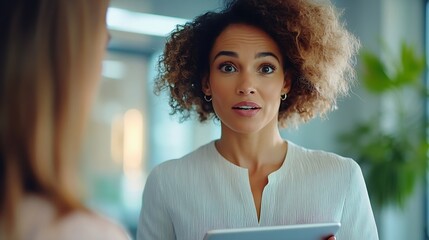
[246, 109]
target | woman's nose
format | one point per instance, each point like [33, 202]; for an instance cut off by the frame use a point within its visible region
[245, 91]
[245, 86]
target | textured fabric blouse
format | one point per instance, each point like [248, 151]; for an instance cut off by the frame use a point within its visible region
[184, 198]
[39, 222]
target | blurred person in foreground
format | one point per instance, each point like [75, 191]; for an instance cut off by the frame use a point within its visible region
[51, 53]
[257, 66]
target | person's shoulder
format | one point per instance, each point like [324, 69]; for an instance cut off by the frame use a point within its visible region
[184, 163]
[89, 225]
[324, 158]
[324, 165]
[39, 221]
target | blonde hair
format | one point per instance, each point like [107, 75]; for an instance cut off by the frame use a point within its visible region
[318, 51]
[46, 49]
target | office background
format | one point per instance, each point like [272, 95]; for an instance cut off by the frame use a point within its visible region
[131, 130]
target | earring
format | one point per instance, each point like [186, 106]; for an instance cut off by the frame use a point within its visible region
[283, 96]
[208, 98]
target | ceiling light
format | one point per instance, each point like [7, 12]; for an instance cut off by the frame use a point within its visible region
[141, 23]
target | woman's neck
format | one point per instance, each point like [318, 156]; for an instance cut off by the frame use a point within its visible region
[254, 150]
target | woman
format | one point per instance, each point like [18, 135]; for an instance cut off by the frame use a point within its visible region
[51, 53]
[257, 65]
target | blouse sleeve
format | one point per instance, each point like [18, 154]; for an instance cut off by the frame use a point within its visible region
[155, 222]
[357, 218]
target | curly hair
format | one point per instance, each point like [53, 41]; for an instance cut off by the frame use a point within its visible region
[318, 51]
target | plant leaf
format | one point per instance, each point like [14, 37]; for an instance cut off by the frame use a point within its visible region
[375, 76]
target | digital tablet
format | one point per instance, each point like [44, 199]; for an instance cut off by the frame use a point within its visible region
[314, 231]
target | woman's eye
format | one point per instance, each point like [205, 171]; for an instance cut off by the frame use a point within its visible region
[228, 68]
[267, 69]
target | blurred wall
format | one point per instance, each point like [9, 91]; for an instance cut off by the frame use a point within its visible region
[389, 22]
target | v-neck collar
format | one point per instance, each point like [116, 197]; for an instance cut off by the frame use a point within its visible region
[271, 177]
[241, 175]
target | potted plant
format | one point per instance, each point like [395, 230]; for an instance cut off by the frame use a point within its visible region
[393, 159]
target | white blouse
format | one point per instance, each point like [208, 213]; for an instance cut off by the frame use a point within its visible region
[184, 198]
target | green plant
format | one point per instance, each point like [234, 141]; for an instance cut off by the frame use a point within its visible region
[392, 159]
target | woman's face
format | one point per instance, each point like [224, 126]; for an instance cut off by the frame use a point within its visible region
[246, 79]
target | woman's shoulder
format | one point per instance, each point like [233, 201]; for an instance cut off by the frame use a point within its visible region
[323, 159]
[39, 221]
[325, 167]
[89, 225]
[181, 171]
[194, 159]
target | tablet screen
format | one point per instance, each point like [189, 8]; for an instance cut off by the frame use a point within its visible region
[314, 231]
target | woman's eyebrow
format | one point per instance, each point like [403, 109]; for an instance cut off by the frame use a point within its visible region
[235, 55]
[267, 54]
[226, 53]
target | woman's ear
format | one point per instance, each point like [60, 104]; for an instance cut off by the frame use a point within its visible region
[205, 86]
[287, 82]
